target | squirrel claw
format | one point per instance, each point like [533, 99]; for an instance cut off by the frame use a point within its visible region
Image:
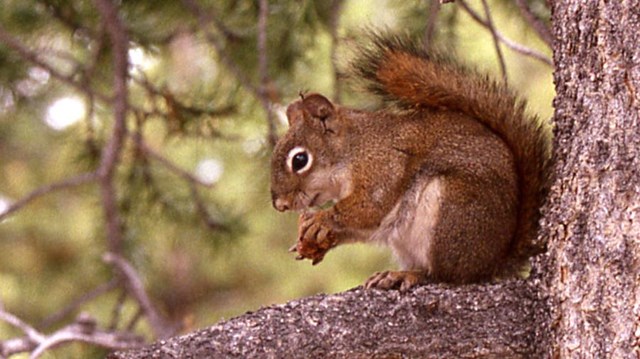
[299, 257]
[401, 280]
[294, 248]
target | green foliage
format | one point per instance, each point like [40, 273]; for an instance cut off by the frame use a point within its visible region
[228, 254]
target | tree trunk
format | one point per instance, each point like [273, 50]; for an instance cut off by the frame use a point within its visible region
[583, 301]
[593, 215]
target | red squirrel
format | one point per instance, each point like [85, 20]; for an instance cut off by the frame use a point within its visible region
[450, 172]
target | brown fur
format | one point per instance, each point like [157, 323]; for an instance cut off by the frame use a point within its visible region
[442, 123]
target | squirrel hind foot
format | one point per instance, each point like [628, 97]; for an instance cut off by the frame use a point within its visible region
[401, 280]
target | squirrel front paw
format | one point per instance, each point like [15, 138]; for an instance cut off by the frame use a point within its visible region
[315, 237]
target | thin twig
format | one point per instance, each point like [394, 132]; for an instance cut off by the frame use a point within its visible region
[32, 333]
[83, 329]
[44, 190]
[192, 180]
[204, 19]
[261, 93]
[429, 29]
[536, 23]
[71, 333]
[509, 43]
[88, 72]
[201, 208]
[230, 35]
[66, 17]
[135, 287]
[496, 40]
[116, 313]
[90, 139]
[172, 102]
[135, 319]
[105, 339]
[13, 346]
[263, 70]
[78, 302]
[111, 152]
[34, 58]
[189, 177]
[334, 23]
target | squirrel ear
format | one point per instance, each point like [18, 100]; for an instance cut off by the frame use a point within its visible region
[295, 112]
[318, 106]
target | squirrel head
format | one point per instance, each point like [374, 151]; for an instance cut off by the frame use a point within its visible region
[307, 165]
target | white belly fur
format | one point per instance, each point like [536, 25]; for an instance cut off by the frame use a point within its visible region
[408, 229]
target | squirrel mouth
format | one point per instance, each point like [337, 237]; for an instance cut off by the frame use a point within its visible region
[312, 202]
[317, 202]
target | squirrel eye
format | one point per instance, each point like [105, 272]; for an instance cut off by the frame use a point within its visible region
[299, 160]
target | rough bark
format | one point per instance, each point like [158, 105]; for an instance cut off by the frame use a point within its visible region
[489, 321]
[593, 217]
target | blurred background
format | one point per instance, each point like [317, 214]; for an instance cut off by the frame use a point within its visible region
[194, 195]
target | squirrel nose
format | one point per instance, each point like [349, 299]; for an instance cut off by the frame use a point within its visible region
[281, 204]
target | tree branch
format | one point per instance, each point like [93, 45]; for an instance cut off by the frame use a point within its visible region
[160, 327]
[261, 93]
[496, 41]
[203, 212]
[78, 302]
[263, 70]
[116, 312]
[105, 339]
[111, 152]
[334, 24]
[192, 180]
[429, 29]
[205, 19]
[32, 333]
[187, 176]
[34, 58]
[67, 16]
[435, 321]
[535, 22]
[44, 190]
[509, 43]
[83, 329]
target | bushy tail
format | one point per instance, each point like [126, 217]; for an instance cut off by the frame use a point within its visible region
[400, 71]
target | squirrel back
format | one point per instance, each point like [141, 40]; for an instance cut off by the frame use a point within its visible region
[403, 73]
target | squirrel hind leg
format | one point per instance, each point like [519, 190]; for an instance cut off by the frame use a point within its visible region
[402, 280]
